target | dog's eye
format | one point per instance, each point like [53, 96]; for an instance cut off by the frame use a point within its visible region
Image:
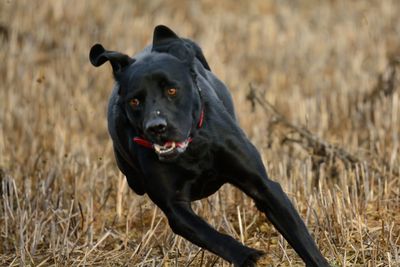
[134, 102]
[172, 91]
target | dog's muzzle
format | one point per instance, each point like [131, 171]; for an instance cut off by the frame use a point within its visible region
[170, 149]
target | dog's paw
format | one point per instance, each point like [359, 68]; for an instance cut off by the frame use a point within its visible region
[252, 258]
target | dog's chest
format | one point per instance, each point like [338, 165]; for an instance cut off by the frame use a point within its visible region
[198, 161]
[205, 185]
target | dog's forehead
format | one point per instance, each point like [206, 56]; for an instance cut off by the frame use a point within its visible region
[155, 65]
[153, 68]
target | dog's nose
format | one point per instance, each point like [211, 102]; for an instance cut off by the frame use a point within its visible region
[156, 126]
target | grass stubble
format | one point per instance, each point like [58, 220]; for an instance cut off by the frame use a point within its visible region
[323, 109]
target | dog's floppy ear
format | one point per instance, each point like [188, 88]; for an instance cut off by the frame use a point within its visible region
[98, 56]
[165, 40]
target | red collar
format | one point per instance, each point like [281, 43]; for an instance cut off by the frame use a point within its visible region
[147, 144]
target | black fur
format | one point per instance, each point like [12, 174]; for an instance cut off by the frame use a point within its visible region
[219, 152]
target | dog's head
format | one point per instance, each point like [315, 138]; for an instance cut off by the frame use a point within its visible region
[158, 91]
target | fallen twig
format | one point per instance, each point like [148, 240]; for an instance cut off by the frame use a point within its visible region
[320, 150]
[318, 145]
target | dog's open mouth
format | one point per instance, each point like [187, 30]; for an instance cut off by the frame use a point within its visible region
[171, 149]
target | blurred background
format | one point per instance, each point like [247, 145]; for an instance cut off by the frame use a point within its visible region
[316, 88]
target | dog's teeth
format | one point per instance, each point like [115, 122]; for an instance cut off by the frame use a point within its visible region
[157, 148]
[169, 147]
[164, 149]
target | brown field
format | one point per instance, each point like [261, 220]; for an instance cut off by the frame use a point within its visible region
[325, 79]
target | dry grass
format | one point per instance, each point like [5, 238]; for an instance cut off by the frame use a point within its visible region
[325, 120]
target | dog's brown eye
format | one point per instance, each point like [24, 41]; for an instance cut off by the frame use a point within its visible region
[134, 102]
[171, 91]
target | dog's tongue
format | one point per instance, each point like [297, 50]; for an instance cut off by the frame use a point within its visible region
[170, 144]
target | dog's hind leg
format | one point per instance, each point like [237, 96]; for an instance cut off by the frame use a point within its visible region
[270, 198]
[250, 176]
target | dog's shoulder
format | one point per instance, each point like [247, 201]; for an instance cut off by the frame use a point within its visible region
[121, 135]
[118, 126]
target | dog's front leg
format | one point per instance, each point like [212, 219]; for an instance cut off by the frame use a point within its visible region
[184, 222]
[243, 164]
[169, 194]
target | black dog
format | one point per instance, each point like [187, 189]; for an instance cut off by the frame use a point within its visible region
[176, 138]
